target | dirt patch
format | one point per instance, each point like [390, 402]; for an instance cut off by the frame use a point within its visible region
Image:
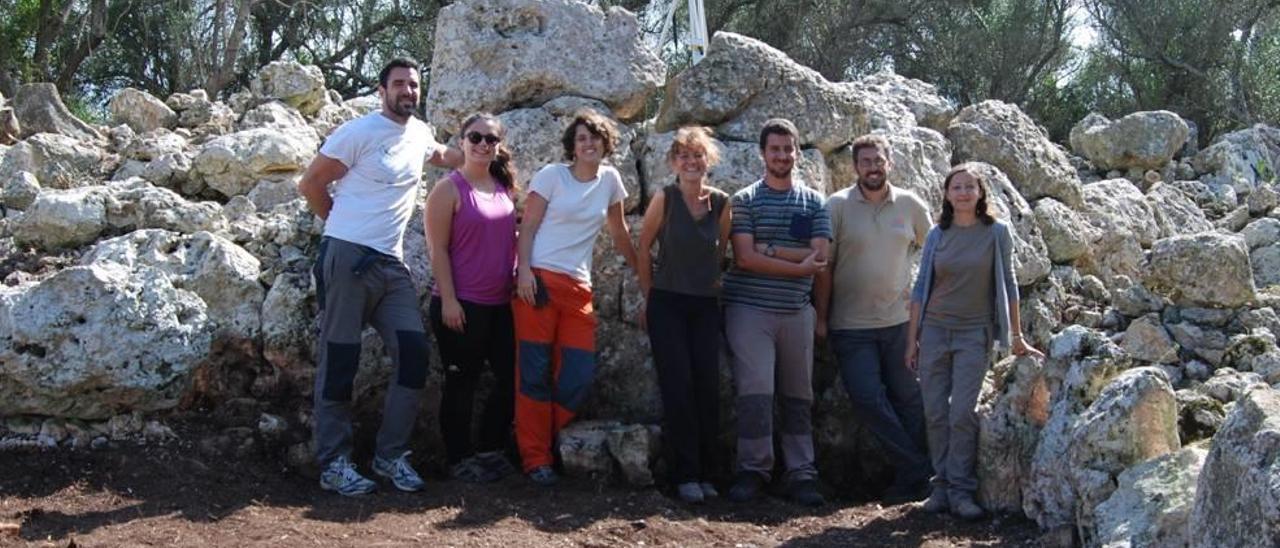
[171, 495]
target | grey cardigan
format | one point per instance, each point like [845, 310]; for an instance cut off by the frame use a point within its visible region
[1005, 284]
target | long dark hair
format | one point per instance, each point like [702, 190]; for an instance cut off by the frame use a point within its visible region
[502, 168]
[982, 209]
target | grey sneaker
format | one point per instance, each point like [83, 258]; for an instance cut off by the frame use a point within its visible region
[937, 503]
[544, 476]
[399, 472]
[964, 508]
[708, 490]
[341, 477]
[689, 492]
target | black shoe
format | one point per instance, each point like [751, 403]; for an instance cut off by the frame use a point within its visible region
[805, 493]
[746, 486]
[903, 493]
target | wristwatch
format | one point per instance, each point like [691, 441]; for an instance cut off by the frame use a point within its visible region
[769, 251]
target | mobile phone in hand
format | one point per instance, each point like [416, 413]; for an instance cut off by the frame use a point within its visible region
[540, 297]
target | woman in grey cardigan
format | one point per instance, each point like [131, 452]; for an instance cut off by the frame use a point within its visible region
[964, 305]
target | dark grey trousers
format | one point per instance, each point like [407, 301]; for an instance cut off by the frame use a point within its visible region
[953, 363]
[773, 350]
[357, 286]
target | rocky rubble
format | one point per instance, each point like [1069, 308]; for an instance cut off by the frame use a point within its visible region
[165, 261]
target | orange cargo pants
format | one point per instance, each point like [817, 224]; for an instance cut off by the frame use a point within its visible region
[556, 360]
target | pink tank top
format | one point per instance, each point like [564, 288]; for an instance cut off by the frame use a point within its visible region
[482, 245]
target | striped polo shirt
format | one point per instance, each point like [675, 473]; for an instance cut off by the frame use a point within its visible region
[788, 218]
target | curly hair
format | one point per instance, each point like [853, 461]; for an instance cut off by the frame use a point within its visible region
[695, 138]
[597, 124]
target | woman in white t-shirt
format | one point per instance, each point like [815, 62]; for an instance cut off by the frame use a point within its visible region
[555, 323]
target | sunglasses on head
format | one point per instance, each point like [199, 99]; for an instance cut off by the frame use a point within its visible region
[475, 137]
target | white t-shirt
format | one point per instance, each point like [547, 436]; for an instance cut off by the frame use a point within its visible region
[372, 203]
[575, 213]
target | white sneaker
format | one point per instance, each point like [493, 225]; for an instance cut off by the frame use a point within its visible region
[341, 476]
[399, 472]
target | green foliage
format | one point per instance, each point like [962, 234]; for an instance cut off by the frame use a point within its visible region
[18, 26]
[88, 111]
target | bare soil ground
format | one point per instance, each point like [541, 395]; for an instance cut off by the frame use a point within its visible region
[169, 495]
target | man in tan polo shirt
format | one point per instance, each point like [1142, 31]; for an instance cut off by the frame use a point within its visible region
[861, 300]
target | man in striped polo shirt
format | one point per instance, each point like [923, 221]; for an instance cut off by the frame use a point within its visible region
[780, 236]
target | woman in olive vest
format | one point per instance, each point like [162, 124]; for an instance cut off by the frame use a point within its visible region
[690, 222]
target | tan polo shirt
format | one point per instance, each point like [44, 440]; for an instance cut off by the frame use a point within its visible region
[871, 274]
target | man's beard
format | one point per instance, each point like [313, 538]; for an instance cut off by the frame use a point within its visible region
[779, 173]
[399, 110]
[872, 185]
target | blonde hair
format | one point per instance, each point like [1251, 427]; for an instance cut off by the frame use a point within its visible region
[694, 138]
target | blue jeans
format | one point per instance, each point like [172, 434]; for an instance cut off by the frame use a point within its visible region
[885, 395]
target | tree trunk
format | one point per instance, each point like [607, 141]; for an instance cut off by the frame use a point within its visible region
[223, 72]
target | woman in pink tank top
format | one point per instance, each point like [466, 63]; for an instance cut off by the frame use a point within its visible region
[471, 234]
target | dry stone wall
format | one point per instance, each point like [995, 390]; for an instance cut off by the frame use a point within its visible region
[165, 260]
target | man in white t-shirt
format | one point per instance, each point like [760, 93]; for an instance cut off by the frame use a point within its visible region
[364, 184]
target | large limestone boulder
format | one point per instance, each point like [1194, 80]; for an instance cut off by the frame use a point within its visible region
[154, 144]
[1243, 159]
[1263, 238]
[1122, 224]
[1261, 233]
[921, 158]
[1030, 258]
[137, 204]
[221, 273]
[198, 113]
[625, 385]
[141, 111]
[1152, 502]
[1215, 199]
[533, 134]
[288, 319]
[273, 115]
[1081, 363]
[495, 55]
[929, 108]
[10, 128]
[1066, 234]
[1011, 413]
[1000, 134]
[1238, 495]
[20, 191]
[1209, 269]
[742, 82]
[605, 449]
[1147, 340]
[69, 218]
[740, 165]
[233, 164]
[162, 157]
[63, 218]
[40, 109]
[96, 341]
[1175, 212]
[57, 161]
[300, 86]
[1143, 140]
[1134, 419]
[331, 116]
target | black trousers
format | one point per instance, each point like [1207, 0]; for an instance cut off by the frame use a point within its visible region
[684, 332]
[488, 336]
